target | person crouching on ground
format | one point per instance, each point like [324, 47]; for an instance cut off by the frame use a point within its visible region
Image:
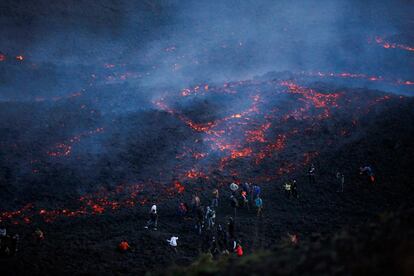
[173, 242]
[369, 172]
[238, 249]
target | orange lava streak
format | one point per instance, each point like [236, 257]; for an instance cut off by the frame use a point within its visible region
[319, 100]
[277, 146]
[389, 45]
[65, 149]
[123, 196]
[257, 135]
[241, 153]
[194, 174]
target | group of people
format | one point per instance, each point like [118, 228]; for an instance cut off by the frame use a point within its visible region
[214, 237]
[8, 243]
[248, 197]
[291, 190]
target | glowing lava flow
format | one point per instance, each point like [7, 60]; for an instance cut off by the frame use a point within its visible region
[275, 115]
[312, 98]
[389, 45]
[347, 75]
[65, 149]
[235, 137]
[102, 201]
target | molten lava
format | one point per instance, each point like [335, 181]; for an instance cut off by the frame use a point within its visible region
[390, 45]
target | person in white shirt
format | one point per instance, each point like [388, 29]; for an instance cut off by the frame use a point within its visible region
[173, 242]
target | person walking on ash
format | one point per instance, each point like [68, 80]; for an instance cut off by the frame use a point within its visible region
[215, 199]
[153, 221]
[288, 189]
[311, 174]
[294, 189]
[210, 217]
[259, 206]
[340, 179]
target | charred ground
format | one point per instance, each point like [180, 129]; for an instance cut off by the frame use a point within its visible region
[87, 202]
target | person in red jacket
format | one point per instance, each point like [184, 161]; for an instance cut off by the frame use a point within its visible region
[238, 249]
[123, 246]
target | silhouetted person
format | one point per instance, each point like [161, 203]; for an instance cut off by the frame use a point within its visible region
[230, 228]
[369, 172]
[199, 219]
[153, 221]
[311, 173]
[259, 205]
[234, 203]
[210, 217]
[340, 179]
[215, 199]
[294, 189]
[288, 189]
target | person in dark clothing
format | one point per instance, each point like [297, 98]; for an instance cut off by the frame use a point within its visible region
[210, 217]
[246, 188]
[205, 242]
[294, 189]
[199, 219]
[214, 249]
[195, 203]
[153, 221]
[340, 179]
[245, 200]
[369, 172]
[182, 209]
[215, 199]
[311, 174]
[8, 245]
[234, 203]
[230, 228]
[259, 206]
[222, 238]
[256, 190]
